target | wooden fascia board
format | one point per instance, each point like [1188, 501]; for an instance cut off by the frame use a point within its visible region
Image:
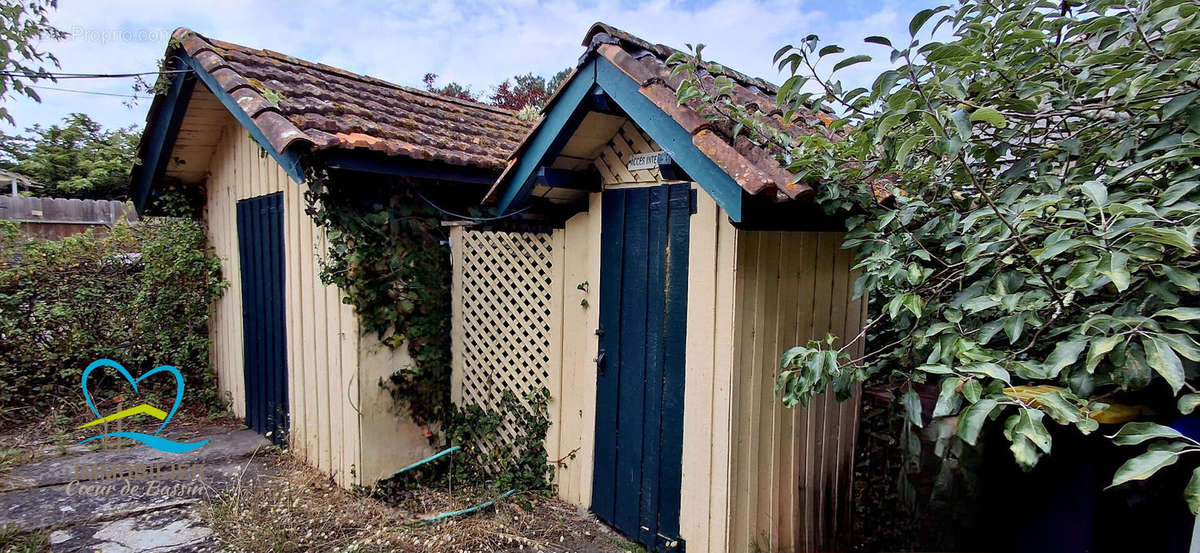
[160, 138]
[671, 137]
[549, 137]
[289, 159]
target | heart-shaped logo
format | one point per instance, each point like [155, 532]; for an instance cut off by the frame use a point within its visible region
[152, 440]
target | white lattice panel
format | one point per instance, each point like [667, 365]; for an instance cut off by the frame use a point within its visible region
[506, 296]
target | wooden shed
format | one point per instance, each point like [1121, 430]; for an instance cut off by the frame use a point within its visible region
[682, 266]
[242, 129]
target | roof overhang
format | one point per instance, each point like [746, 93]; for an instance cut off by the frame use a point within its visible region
[573, 102]
[166, 115]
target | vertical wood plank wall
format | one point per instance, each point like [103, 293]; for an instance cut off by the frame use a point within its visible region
[322, 341]
[792, 468]
[708, 382]
[576, 403]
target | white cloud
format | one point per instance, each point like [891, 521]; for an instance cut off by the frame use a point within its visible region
[478, 43]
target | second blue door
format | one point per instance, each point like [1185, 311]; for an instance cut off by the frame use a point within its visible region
[643, 325]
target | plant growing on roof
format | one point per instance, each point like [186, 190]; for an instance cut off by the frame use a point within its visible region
[1036, 257]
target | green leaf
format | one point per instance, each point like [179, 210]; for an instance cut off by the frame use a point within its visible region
[1187, 403]
[883, 41]
[1099, 348]
[919, 20]
[962, 123]
[1170, 237]
[831, 49]
[1143, 466]
[1116, 270]
[935, 369]
[1180, 313]
[970, 422]
[850, 61]
[991, 116]
[1178, 103]
[1191, 493]
[1183, 279]
[1030, 426]
[1059, 408]
[1134, 433]
[1064, 355]
[1096, 192]
[972, 390]
[912, 407]
[988, 369]
[907, 146]
[1163, 360]
[948, 400]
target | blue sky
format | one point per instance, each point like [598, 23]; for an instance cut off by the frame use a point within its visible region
[478, 43]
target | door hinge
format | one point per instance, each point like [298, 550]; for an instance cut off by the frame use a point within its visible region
[692, 200]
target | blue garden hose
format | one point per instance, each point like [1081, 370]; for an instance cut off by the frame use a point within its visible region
[427, 459]
[468, 510]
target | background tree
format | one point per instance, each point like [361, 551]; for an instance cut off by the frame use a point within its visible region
[453, 89]
[79, 159]
[1036, 258]
[23, 24]
[521, 92]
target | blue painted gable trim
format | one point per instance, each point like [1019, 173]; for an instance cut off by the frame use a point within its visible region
[160, 138]
[289, 160]
[554, 129]
[562, 118]
[163, 129]
[671, 137]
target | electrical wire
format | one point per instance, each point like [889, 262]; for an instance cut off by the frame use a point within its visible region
[468, 217]
[54, 75]
[131, 96]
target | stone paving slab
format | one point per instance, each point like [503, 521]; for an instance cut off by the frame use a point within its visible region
[64, 469]
[169, 530]
[63, 505]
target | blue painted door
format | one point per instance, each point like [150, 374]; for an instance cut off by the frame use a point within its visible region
[264, 338]
[643, 320]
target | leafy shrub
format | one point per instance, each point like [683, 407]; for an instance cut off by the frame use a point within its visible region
[138, 295]
[1022, 199]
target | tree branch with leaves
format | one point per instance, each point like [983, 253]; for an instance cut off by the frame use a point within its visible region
[1037, 259]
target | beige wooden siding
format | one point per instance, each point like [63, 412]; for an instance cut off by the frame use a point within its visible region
[707, 408]
[792, 468]
[576, 424]
[325, 390]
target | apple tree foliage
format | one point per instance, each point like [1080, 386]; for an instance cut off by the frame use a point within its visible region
[1021, 188]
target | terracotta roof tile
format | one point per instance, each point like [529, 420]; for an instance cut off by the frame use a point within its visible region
[751, 166]
[300, 103]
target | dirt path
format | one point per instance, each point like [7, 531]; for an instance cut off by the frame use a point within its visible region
[237, 493]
